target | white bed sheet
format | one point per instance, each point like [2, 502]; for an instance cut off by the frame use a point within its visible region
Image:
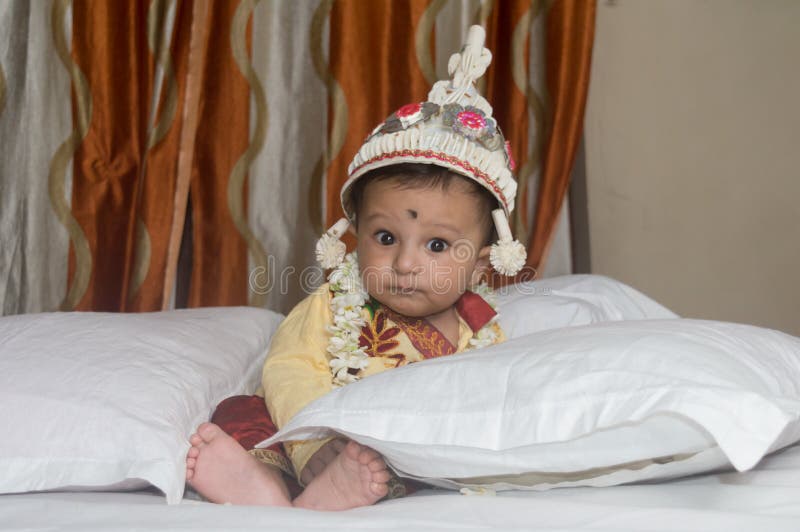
[764, 499]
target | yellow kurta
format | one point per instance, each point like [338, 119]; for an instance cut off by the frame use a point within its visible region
[297, 371]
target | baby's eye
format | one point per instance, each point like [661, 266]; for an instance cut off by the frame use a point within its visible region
[384, 238]
[437, 245]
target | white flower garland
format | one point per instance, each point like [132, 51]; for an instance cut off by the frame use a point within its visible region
[347, 303]
[348, 299]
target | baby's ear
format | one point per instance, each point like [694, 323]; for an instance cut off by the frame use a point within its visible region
[482, 268]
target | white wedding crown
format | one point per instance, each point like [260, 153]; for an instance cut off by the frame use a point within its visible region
[454, 129]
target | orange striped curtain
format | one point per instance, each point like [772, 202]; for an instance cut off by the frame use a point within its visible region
[188, 152]
[568, 48]
[124, 158]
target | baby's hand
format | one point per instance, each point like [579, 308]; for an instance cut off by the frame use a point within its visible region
[320, 460]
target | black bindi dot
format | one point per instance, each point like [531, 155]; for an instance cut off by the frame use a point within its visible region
[412, 213]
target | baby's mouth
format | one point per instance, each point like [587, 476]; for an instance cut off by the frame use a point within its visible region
[404, 290]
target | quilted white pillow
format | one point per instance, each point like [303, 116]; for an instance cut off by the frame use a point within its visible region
[98, 399]
[595, 405]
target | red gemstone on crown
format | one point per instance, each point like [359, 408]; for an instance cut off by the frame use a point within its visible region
[408, 110]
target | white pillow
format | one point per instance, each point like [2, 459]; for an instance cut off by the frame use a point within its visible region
[100, 400]
[571, 300]
[596, 405]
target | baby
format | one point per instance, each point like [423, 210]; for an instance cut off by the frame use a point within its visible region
[428, 193]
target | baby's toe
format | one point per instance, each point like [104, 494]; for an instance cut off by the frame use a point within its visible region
[367, 456]
[379, 489]
[377, 464]
[208, 431]
[381, 476]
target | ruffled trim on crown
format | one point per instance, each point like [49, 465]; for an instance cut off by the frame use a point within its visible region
[439, 145]
[461, 167]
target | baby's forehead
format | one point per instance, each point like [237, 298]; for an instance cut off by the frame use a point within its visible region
[436, 204]
[407, 196]
[423, 185]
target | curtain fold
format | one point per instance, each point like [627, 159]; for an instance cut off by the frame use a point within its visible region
[568, 49]
[169, 25]
[111, 53]
[509, 91]
[219, 166]
[35, 125]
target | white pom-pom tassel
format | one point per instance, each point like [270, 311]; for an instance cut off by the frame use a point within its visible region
[330, 250]
[507, 255]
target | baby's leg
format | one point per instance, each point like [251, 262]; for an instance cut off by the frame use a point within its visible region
[357, 477]
[223, 472]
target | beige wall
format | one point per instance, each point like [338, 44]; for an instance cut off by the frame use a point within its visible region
[693, 155]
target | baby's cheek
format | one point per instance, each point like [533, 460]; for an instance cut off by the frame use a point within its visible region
[447, 283]
[463, 252]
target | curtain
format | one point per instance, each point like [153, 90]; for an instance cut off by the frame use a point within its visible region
[189, 152]
[568, 48]
[89, 132]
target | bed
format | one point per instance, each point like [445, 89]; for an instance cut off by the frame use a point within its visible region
[96, 408]
[766, 499]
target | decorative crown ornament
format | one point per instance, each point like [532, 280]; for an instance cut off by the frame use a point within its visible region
[454, 129]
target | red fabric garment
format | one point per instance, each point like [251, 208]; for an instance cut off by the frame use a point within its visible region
[245, 418]
[474, 310]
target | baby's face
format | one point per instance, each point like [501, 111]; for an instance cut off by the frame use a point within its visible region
[419, 248]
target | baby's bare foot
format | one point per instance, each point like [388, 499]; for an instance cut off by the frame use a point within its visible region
[357, 477]
[223, 472]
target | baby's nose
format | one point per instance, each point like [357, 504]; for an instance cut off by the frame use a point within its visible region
[406, 261]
